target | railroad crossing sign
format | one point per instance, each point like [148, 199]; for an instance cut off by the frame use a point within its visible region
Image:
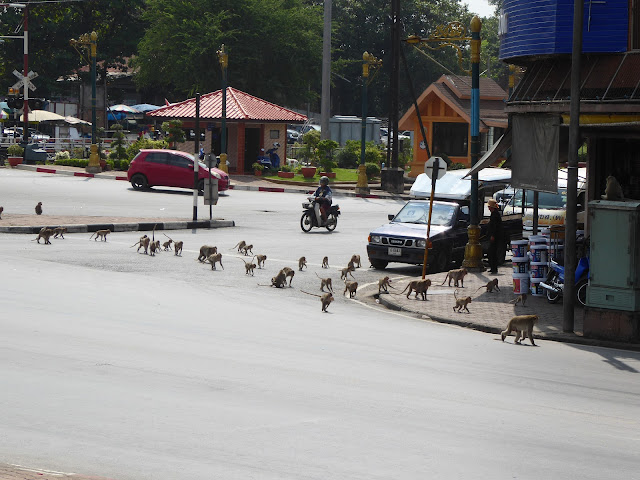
[20, 83]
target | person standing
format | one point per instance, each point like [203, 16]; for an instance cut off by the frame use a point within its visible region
[495, 235]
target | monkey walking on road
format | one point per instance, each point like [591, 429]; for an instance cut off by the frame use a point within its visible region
[260, 260]
[522, 298]
[461, 303]
[102, 234]
[521, 324]
[490, 286]
[325, 262]
[325, 282]
[325, 298]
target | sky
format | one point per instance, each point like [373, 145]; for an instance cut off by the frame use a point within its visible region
[480, 7]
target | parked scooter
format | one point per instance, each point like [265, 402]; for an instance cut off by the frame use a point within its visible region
[554, 283]
[309, 220]
[270, 158]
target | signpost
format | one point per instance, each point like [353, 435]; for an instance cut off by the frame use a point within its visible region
[434, 168]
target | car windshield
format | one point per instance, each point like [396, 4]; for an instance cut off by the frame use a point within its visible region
[418, 212]
[545, 199]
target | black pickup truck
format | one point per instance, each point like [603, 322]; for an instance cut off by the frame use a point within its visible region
[404, 238]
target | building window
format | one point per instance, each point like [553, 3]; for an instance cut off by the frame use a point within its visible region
[451, 139]
[274, 134]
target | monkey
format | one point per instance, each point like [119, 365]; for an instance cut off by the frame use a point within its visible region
[139, 242]
[260, 259]
[59, 231]
[177, 247]
[490, 286]
[288, 272]
[355, 259]
[246, 249]
[248, 267]
[522, 324]
[325, 262]
[522, 298]
[325, 282]
[44, 233]
[347, 271]
[205, 251]
[39, 208]
[215, 258]
[100, 233]
[419, 286]
[325, 298]
[613, 190]
[352, 287]
[240, 245]
[302, 262]
[461, 302]
[383, 283]
[153, 248]
[1, 210]
[279, 281]
[144, 244]
[167, 245]
[456, 275]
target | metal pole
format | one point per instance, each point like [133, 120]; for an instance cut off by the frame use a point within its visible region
[196, 166]
[434, 177]
[473, 249]
[569, 296]
[362, 186]
[94, 160]
[325, 110]
[25, 79]
[224, 62]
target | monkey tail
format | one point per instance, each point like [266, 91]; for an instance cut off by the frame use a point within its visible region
[318, 276]
[445, 279]
[311, 294]
[168, 237]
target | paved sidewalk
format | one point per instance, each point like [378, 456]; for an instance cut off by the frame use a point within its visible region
[490, 312]
[18, 472]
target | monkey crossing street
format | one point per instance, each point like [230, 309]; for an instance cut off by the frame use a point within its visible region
[129, 366]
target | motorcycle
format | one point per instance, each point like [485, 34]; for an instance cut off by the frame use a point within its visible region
[554, 283]
[309, 220]
[270, 158]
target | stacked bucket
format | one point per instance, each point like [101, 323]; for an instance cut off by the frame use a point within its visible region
[539, 266]
[520, 262]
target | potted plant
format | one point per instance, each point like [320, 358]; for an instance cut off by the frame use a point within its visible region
[286, 172]
[257, 169]
[15, 154]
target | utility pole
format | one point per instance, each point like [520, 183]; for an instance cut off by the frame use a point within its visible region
[25, 79]
[325, 109]
[223, 58]
[368, 61]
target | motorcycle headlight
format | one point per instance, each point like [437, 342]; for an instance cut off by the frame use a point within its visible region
[375, 239]
[421, 243]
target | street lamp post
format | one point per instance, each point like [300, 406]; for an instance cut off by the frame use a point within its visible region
[368, 61]
[223, 58]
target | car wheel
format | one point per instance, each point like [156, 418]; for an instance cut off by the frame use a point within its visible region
[306, 222]
[378, 264]
[440, 262]
[139, 182]
[333, 223]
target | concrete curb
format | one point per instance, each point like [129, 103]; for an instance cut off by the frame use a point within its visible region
[125, 227]
[70, 173]
[388, 303]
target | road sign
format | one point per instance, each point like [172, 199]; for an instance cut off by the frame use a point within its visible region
[20, 83]
[442, 167]
[213, 198]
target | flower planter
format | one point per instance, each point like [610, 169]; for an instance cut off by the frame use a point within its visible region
[308, 172]
[257, 173]
[328, 174]
[14, 161]
[286, 174]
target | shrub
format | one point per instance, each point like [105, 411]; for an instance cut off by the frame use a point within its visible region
[257, 167]
[78, 152]
[118, 144]
[457, 166]
[349, 157]
[15, 150]
[286, 168]
[109, 165]
[373, 170]
[73, 162]
[63, 155]
[124, 165]
[325, 151]
[135, 147]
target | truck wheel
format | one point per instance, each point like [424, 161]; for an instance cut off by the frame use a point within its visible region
[440, 263]
[379, 264]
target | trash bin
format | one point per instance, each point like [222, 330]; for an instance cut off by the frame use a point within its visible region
[33, 153]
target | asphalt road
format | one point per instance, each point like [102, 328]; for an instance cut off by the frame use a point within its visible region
[127, 366]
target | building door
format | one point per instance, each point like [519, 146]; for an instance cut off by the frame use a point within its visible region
[251, 147]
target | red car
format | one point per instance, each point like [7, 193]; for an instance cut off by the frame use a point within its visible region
[170, 168]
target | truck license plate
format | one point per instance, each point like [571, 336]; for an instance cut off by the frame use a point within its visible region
[395, 251]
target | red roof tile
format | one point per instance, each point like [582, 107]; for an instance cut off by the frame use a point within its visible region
[240, 107]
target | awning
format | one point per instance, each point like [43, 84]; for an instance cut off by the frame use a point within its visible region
[494, 153]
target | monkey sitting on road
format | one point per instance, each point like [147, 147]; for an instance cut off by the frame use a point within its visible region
[383, 283]
[522, 324]
[100, 233]
[205, 251]
[59, 231]
[288, 273]
[177, 250]
[1, 210]
[456, 275]
[347, 271]
[39, 208]
[325, 262]
[490, 286]
[419, 286]
[260, 260]
[461, 303]
[215, 258]
[325, 298]
[352, 287]
[279, 281]
[44, 233]
[325, 282]
[302, 262]
[522, 298]
[248, 267]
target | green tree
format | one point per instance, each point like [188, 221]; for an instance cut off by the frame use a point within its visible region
[119, 147]
[174, 131]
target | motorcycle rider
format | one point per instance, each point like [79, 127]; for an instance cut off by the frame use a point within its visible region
[322, 200]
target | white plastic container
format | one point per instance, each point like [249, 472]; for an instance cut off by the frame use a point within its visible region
[536, 289]
[538, 270]
[519, 248]
[537, 240]
[520, 283]
[538, 253]
[520, 264]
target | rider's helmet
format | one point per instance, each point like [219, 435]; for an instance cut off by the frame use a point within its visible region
[324, 180]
